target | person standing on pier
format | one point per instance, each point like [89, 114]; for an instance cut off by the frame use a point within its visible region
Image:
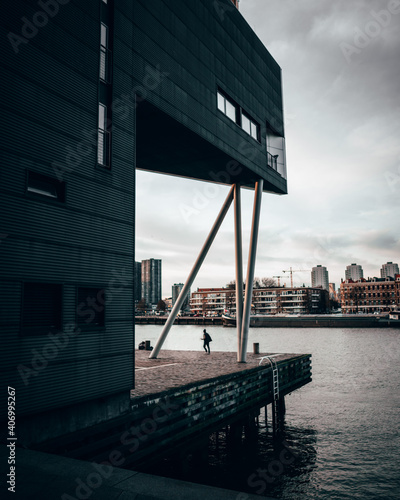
[206, 341]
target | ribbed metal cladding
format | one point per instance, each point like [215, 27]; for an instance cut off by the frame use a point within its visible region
[174, 55]
[49, 127]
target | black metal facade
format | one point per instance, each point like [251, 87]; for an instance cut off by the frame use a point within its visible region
[85, 242]
[67, 204]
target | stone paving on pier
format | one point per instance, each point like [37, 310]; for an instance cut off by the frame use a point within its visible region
[177, 368]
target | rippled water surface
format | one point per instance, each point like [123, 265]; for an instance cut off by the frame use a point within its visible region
[342, 438]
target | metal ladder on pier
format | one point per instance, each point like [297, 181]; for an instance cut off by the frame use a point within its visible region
[275, 392]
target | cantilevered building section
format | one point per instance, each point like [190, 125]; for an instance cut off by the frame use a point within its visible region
[215, 109]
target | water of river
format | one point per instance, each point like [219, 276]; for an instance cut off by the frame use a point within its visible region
[342, 431]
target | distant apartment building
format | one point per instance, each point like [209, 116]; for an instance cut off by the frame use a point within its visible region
[389, 269]
[301, 300]
[276, 300]
[213, 301]
[354, 272]
[151, 281]
[320, 277]
[138, 281]
[369, 296]
[176, 290]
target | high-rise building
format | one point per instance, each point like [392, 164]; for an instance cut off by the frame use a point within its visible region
[138, 282]
[354, 272]
[389, 269]
[319, 277]
[151, 281]
[176, 290]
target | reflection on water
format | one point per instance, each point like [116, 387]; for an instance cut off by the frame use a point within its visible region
[343, 429]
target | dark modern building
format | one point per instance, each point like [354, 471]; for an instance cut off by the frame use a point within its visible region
[138, 282]
[151, 281]
[92, 90]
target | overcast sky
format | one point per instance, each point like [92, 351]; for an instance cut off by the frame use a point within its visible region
[340, 62]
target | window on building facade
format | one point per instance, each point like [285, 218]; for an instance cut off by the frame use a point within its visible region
[251, 127]
[90, 307]
[103, 144]
[105, 55]
[238, 115]
[44, 186]
[41, 308]
[227, 107]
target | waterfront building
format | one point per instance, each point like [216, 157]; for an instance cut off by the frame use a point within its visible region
[183, 88]
[369, 296]
[354, 272]
[389, 269]
[138, 282]
[151, 281]
[211, 301]
[320, 277]
[287, 300]
[274, 300]
[176, 290]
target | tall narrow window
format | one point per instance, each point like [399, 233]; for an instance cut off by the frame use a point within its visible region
[104, 54]
[103, 141]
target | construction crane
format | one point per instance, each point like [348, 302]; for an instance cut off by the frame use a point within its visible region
[279, 277]
[291, 271]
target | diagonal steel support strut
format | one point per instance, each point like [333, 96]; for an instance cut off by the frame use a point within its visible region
[193, 274]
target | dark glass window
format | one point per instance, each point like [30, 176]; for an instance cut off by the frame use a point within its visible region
[47, 187]
[90, 308]
[41, 308]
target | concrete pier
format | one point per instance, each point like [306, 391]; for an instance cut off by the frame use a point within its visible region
[179, 400]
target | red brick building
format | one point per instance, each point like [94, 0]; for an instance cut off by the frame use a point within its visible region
[370, 296]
